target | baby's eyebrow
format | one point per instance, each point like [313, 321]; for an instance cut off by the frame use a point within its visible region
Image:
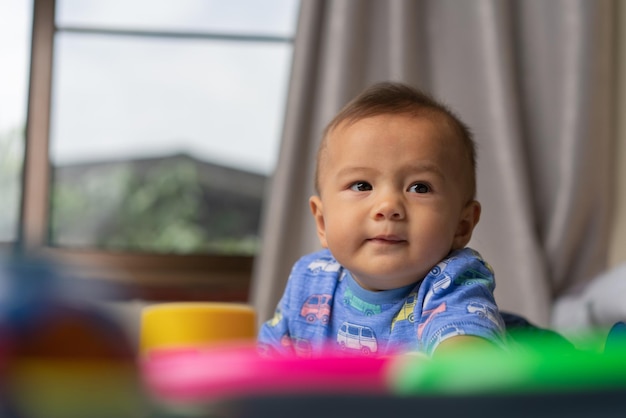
[419, 167]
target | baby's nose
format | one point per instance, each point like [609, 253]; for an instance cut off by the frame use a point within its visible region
[389, 206]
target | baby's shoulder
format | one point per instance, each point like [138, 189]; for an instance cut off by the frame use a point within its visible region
[318, 263]
[317, 272]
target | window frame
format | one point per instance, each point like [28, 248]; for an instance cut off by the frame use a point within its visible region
[148, 276]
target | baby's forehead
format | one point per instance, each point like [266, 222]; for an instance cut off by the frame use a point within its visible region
[438, 126]
[442, 128]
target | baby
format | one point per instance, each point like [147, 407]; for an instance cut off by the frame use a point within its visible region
[395, 209]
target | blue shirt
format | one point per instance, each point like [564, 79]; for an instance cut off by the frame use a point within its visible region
[324, 306]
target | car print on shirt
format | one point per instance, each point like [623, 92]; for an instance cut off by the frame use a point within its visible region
[300, 346]
[442, 280]
[439, 268]
[357, 337]
[285, 341]
[470, 277]
[351, 300]
[327, 264]
[406, 312]
[278, 316]
[486, 311]
[317, 307]
[430, 315]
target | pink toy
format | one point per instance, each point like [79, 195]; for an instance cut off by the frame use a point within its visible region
[215, 373]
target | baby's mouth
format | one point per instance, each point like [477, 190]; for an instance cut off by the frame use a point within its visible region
[388, 239]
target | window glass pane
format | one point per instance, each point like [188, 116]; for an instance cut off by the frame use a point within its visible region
[15, 34]
[126, 97]
[261, 17]
[163, 144]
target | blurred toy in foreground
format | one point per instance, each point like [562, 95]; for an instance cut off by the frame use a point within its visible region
[60, 356]
[239, 381]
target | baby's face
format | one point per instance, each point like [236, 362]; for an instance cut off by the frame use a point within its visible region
[394, 198]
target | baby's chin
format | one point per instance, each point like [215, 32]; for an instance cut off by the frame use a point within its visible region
[377, 284]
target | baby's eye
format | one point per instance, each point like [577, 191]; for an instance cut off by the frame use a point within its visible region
[419, 188]
[361, 186]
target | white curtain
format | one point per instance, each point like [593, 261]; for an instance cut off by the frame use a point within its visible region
[533, 79]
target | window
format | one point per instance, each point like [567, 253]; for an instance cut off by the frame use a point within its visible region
[161, 120]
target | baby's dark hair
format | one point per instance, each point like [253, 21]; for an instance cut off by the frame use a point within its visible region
[399, 98]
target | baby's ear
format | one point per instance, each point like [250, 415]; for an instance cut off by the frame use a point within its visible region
[318, 213]
[469, 218]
